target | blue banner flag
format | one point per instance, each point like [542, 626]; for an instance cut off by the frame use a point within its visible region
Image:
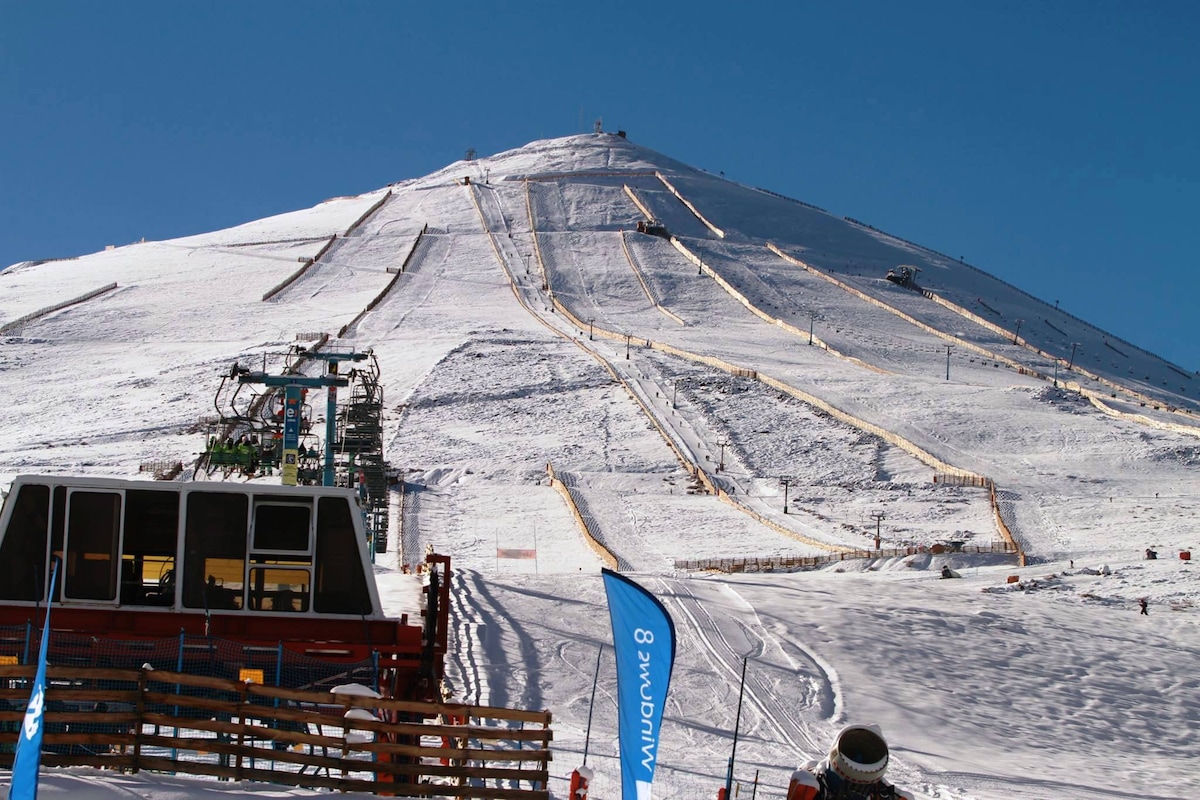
[644, 641]
[293, 407]
[28, 759]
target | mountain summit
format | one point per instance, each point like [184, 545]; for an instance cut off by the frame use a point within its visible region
[592, 354]
[560, 266]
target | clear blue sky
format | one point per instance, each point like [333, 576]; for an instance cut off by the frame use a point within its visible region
[1053, 144]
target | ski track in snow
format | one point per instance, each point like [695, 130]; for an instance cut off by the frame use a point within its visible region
[468, 637]
[728, 641]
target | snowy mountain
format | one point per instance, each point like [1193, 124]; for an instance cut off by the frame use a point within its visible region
[740, 385]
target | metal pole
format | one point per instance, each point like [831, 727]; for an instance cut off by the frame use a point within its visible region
[1071, 363]
[947, 362]
[1056, 373]
[1017, 335]
[675, 393]
[178, 668]
[736, 726]
[591, 705]
[278, 675]
[330, 428]
[810, 327]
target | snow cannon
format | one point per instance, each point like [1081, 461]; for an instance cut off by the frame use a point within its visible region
[859, 754]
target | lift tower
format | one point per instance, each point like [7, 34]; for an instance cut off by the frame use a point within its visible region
[292, 386]
[332, 359]
[353, 445]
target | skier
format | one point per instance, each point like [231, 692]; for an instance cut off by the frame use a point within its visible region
[1145, 606]
[853, 770]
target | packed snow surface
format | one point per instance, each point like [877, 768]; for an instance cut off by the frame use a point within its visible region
[522, 325]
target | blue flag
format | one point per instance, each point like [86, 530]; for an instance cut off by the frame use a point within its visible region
[644, 641]
[28, 760]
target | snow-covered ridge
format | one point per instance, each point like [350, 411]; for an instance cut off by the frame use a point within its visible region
[511, 319]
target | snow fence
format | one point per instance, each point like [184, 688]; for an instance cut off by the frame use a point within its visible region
[42, 312]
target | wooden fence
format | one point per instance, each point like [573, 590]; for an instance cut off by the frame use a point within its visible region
[704, 220]
[590, 536]
[188, 724]
[41, 312]
[797, 563]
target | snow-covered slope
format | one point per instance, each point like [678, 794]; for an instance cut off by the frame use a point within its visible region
[757, 349]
